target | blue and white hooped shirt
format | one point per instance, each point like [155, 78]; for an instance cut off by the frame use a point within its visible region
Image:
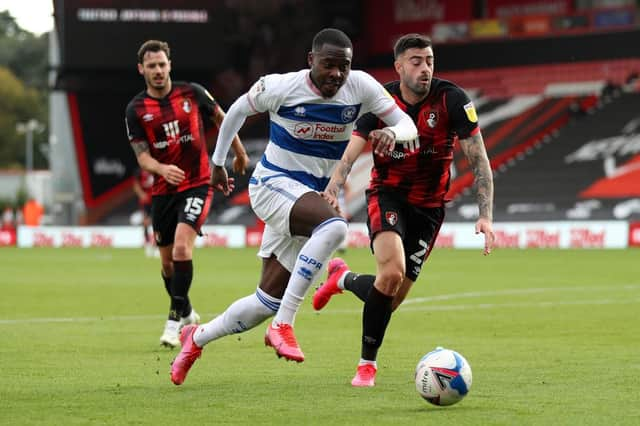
[309, 133]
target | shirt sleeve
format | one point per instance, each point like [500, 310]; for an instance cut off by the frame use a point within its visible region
[135, 132]
[206, 104]
[462, 113]
[376, 99]
[366, 124]
[264, 94]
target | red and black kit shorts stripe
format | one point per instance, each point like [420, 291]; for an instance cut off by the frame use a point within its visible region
[190, 206]
[418, 227]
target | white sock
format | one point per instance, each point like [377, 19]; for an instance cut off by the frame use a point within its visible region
[314, 254]
[366, 361]
[340, 282]
[240, 316]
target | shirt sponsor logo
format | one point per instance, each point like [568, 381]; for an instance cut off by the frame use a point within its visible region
[320, 131]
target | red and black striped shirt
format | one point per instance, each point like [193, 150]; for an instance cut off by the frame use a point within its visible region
[174, 127]
[419, 171]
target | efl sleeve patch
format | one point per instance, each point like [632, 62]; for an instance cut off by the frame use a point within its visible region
[470, 110]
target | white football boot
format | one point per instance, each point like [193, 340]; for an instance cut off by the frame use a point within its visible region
[170, 337]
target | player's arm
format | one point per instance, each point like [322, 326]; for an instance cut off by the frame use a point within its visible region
[474, 149]
[241, 159]
[170, 172]
[343, 168]
[137, 138]
[476, 153]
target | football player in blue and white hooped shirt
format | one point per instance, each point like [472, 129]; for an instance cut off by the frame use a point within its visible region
[312, 113]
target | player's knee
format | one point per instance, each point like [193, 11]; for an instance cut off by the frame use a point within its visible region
[334, 230]
[181, 251]
[390, 279]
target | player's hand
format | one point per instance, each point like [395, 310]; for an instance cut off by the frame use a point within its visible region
[240, 162]
[484, 225]
[330, 194]
[383, 141]
[220, 181]
[172, 174]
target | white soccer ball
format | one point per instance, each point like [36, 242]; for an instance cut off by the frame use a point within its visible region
[443, 377]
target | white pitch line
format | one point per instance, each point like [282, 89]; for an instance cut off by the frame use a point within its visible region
[404, 308]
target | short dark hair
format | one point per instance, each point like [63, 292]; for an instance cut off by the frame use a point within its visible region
[410, 41]
[331, 36]
[153, 46]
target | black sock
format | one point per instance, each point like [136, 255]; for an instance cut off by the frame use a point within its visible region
[180, 284]
[173, 313]
[360, 285]
[375, 318]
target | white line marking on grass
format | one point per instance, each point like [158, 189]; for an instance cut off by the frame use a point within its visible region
[410, 301]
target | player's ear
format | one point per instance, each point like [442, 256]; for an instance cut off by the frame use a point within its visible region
[140, 69]
[397, 65]
[169, 66]
[310, 59]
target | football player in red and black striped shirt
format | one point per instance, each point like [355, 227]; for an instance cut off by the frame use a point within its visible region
[406, 195]
[167, 125]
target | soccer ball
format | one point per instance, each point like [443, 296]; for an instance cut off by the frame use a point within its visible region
[443, 377]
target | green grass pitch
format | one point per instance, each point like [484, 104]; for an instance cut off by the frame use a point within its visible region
[552, 336]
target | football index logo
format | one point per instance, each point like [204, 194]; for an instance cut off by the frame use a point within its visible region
[303, 130]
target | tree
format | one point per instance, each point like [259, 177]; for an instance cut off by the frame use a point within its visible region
[23, 90]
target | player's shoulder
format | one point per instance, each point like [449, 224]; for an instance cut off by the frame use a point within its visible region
[284, 80]
[133, 104]
[442, 86]
[360, 77]
[393, 87]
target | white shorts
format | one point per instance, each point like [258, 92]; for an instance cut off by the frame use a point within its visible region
[272, 198]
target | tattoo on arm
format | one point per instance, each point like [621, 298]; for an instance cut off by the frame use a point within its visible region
[344, 168]
[140, 147]
[473, 148]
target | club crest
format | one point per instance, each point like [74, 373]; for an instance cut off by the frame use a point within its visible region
[391, 218]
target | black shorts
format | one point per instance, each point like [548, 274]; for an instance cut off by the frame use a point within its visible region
[418, 227]
[190, 206]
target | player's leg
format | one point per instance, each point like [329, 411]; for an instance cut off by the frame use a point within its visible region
[296, 212]
[164, 225]
[193, 209]
[389, 254]
[278, 254]
[312, 217]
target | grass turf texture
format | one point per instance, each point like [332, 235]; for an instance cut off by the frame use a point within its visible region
[552, 337]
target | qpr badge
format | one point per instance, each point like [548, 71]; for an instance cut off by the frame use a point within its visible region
[349, 114]
[391, 218]
[186, 106]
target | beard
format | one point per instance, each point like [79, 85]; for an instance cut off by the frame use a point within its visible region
[419, 88]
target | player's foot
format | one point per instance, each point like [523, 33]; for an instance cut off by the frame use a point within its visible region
[192, 318]
[365, 376]
[321, 297]
[187, 356]
[169, 337]
[282, 339]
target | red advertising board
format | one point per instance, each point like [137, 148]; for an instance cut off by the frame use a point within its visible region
[387, 20]
[634, 234]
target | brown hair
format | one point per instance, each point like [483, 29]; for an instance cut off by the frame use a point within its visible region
[410, 41]
[153, 46]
